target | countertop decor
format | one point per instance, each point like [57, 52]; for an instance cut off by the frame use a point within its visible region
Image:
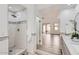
[75, 34]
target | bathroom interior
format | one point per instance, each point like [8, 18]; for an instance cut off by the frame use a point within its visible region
[22, 32]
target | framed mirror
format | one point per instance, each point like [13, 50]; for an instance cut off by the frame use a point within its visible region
[77, 21]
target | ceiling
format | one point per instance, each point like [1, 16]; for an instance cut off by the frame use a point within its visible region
[49, 12]
[16, 7]
[46, 7]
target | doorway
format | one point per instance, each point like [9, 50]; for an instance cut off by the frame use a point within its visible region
[46, 28]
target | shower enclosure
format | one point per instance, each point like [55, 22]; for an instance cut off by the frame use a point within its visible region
[17, 29]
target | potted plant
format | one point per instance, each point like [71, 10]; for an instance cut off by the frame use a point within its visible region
[75, 35]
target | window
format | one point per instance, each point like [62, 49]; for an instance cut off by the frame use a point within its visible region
[46, 28]
[55, 26]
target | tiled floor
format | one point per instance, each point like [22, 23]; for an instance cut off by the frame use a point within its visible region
[51, 43]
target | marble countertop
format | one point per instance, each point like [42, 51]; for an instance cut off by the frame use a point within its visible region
[72, 46]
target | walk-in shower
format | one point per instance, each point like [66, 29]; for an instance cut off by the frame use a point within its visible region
[17, 29]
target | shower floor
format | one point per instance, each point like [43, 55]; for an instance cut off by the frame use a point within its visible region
[16, 51]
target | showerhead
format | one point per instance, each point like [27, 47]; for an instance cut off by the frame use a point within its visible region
[14, 16]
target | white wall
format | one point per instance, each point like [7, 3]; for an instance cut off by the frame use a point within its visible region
[3, 29]
[65, 16]
[3, 20]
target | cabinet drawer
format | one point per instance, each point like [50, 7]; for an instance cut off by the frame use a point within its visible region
[65, 49]
[4, 46]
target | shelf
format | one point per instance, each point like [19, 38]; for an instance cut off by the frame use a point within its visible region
[16, 22]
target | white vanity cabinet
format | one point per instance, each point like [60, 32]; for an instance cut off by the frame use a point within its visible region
[69, 47]
[4, 46]
[65, 50]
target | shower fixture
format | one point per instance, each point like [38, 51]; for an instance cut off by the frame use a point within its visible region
[17, 12]
[14, 16]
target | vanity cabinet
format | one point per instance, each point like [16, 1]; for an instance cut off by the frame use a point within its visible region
[4, 46]
[64, 48]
